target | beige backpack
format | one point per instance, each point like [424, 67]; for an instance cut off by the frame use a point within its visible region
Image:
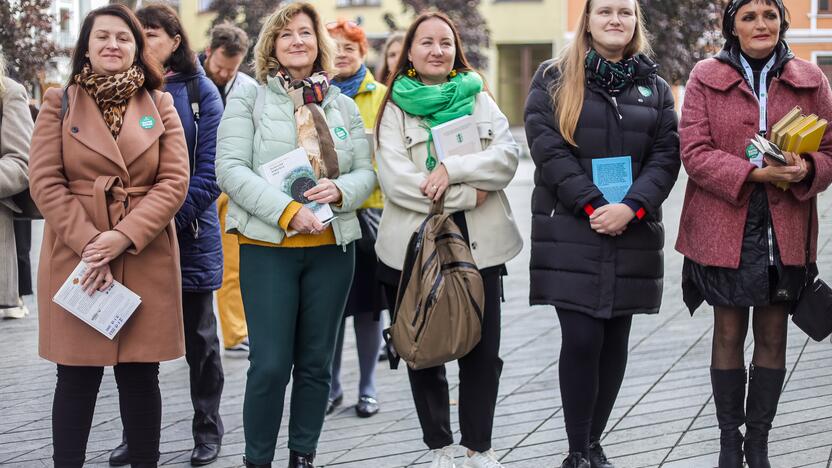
[440, 302]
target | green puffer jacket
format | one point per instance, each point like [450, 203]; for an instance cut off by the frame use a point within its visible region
[255, 206]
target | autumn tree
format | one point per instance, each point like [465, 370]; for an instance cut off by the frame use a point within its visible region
[25, 38]
[468, 19]
[682, 32]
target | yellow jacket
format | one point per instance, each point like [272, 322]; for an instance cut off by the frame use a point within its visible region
[369, 98]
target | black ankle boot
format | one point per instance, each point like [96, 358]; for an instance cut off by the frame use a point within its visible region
[729, 396]
[255, 465]
[301, 460]
[575, 460]
[764, 388]
[597, 457]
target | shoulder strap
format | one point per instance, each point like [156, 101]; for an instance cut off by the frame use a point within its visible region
[64, 104]
[259, 102]
[193, 96]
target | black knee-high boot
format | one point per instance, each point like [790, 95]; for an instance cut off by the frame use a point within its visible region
[729, 398]
[764, 388]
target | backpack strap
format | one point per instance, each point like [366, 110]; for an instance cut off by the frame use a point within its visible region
[259, 102]
[193, 96]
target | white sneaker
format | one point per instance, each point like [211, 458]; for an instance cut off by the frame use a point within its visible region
[18, 312]
[444, 457]
[482, 460]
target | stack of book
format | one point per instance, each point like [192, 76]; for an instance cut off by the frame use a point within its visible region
[798, 133]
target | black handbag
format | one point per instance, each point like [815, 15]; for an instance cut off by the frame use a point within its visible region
[368, 221]
[812, 312]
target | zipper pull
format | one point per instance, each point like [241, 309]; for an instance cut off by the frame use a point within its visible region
[617, 111]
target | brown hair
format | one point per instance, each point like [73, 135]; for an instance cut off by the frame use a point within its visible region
[383, 72]
[568, 91]
[461, 64]
[162, 16]
[153, 77]
[265, 58]
[233, 40]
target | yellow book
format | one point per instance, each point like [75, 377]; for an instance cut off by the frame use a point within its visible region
[791, 134]
[788, 119]
[783, 133]
[808, 140]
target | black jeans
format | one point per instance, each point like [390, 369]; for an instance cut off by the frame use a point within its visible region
[202, 351]
[593, 359]
[73, 406]
[479, 380]
[23, 244]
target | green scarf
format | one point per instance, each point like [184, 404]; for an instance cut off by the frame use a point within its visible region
[437, 104]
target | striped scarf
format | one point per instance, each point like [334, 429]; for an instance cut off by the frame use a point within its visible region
[612, 77]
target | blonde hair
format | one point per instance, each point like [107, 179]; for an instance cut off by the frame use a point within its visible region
[265, 57]
[568, 91]
[2, 73]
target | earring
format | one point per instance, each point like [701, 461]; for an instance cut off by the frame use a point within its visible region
[411, 72]
[453, 73]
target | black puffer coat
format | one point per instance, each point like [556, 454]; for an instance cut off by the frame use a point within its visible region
[572, 266]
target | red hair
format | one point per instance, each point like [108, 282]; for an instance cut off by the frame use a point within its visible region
[351, 30]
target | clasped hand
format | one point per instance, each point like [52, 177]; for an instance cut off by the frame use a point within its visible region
[795, 171]
[611, 219]
[98, 254]
[438, 181]
[305, 220]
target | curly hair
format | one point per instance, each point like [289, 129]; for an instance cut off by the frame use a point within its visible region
[265, 56]
[351, 31]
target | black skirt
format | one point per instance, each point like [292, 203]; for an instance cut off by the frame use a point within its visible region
[761, 278]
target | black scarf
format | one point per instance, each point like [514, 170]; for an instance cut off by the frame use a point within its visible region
[613, 77]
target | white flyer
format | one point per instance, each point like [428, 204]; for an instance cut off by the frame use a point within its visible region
[457, 137]
[106, 311]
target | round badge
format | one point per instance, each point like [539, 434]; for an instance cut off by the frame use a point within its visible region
[751, 152]
[147, 122]
[341, 133]
[645, 91]
[371, 86]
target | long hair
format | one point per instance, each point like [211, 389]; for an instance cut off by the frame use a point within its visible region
[568, 91]
[153, 77]
[2, 73]
[383, 70]
[265, 56]
[162, 16]
[729, 17]
[461, 63]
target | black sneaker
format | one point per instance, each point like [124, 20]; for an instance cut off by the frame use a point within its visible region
[366, 407]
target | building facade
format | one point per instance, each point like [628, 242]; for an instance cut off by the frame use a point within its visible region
[523, 34]
[810, 34]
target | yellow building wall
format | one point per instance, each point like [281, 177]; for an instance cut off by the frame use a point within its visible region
[196, 24]
[824, 22]
[804, 51]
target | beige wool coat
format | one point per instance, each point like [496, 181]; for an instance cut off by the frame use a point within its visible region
[15, 133]
[84, 183]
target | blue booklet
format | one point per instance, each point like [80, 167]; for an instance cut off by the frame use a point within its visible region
[613, 176]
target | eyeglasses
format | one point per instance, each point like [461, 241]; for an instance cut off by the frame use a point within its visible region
[347, 23]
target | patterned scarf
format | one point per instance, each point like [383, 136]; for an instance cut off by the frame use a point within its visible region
[111, 92]
[351, 84]
[310, 121]
[613, 77]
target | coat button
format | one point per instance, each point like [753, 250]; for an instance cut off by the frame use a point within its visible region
[407, 140]
[474, 245]
[74, 129]
[491, 133]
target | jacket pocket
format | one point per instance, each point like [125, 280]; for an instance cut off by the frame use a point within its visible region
[414, 136]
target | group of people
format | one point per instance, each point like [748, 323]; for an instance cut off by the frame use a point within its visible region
[127, 164]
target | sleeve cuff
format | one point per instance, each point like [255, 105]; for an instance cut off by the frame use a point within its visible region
[291, 210]
[636, 207]
[590, 207]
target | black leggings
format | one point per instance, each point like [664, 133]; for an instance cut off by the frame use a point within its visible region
[139, 401]
[593, 358]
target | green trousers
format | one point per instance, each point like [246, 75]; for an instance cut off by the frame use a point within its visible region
[294, 300]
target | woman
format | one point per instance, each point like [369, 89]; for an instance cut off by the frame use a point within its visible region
[109, 174]
[365, 301]
[759, 260]
[15, 134]
[197, 227]
[435, 84]
[597, 252]
[294, 287]
[390, 56]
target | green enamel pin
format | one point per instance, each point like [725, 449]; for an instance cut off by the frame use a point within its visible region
[147, 122]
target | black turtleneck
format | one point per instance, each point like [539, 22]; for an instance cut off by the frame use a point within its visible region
[757, 66]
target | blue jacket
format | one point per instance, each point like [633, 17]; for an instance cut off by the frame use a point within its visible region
[197, 224]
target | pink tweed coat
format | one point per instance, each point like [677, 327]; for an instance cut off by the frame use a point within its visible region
[719, 116]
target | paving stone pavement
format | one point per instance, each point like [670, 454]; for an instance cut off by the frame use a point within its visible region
[664, 416]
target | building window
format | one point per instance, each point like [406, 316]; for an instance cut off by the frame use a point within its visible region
[824, 6]
[356, 3]
[825, 64]
[204, 5]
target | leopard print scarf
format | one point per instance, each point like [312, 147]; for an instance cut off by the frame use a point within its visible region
[111, 92]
